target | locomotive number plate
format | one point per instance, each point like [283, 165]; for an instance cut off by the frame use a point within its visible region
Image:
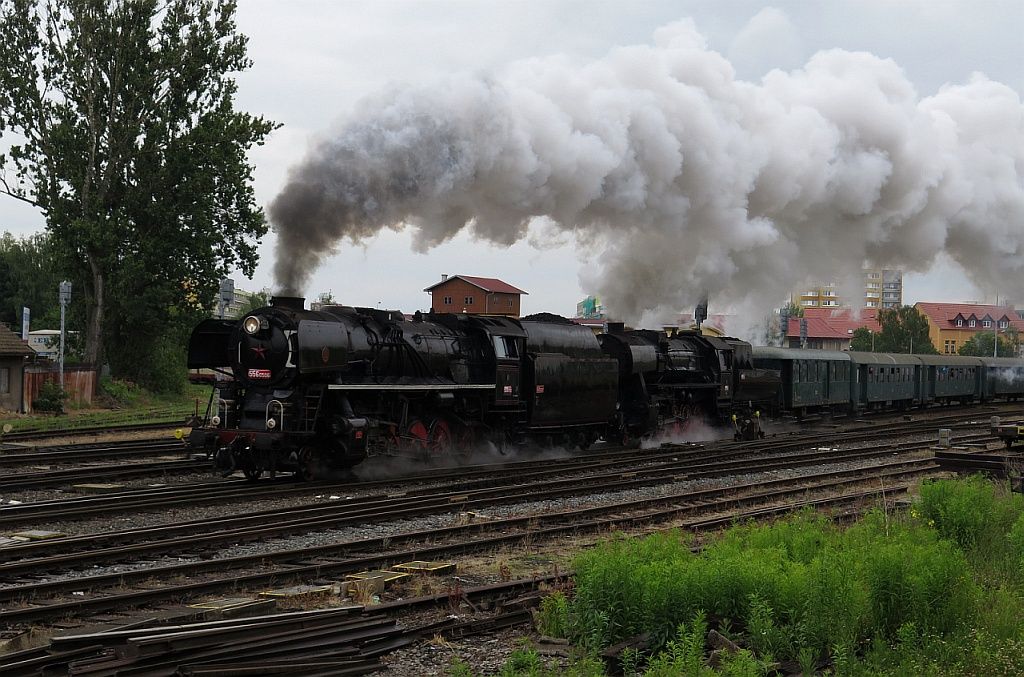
[259, 373]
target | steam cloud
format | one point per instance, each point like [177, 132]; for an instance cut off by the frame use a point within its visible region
[679, 176]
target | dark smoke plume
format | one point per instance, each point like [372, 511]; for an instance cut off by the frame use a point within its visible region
[679, 176]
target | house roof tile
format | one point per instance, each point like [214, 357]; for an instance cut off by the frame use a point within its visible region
[11, 344]
[834, 323]
[944, 315]
[488, 284]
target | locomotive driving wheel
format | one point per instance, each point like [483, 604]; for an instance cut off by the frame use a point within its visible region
[440, 441]
[416, 438]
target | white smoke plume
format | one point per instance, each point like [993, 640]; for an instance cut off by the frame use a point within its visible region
[678, 176]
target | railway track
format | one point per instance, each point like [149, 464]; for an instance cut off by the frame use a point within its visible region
[115, 546]
[31, 435]
[90, 452]
[467, 477]
[348, 640]
[27, 597]
[98, 473]
[334, 559]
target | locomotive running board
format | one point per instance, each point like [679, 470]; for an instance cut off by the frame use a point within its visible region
[395, 386]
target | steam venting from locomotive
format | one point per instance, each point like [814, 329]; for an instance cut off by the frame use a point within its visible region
[676, 176]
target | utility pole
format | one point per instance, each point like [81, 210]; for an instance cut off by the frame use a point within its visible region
[64, 298]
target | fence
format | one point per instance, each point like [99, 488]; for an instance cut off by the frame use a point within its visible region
[79, 383]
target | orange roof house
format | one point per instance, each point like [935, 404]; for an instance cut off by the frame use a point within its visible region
[470, 294]
[951, 325]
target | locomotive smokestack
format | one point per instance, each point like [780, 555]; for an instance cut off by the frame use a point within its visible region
[290, 302]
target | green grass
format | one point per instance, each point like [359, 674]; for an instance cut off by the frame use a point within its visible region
[130, 405]
[932, 591]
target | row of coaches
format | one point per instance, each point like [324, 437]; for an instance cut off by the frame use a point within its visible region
[854, 381]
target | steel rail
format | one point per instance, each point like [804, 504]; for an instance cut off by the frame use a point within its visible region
[422, 545]
[103, 547]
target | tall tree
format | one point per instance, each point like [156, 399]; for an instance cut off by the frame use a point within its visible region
[125, 135]
[29, 276]
[903, 330]
[982, 343]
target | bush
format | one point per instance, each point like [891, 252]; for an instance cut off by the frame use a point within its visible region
[116, 394]
[51, 398]
[797, 587]
[553, 617]
[983, 519]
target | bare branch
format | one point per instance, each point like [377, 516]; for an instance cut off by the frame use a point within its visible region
[6, 189]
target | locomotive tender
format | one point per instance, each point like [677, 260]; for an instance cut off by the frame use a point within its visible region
[308, 391]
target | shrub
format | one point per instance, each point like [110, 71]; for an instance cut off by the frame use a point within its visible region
[51, 398]
[981, 518]
[459, 668]
[553, 618]
[522, 662]
[115, 393]
[798, 588]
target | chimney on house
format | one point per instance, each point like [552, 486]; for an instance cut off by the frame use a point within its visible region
[444, 276]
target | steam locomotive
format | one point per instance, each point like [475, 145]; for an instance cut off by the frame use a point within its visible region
[308, 391]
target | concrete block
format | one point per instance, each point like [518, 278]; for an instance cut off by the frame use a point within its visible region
[421, 567]
[36, 535]
[98, 488]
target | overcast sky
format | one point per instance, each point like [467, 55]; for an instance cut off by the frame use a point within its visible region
[314, 60]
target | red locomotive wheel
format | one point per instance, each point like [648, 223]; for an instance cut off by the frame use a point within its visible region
[441, 442]
[417, 436]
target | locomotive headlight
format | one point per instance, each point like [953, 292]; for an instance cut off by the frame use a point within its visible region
[271, 423]
[251, 324]
[215, 420]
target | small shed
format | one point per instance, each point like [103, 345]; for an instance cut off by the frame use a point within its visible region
[13, 352]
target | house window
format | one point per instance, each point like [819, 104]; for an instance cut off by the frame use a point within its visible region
[972, 323]
[959, 323]
[987, 324]
[511, 303]
[5, 380]
[447, 300]
[468, 300]
[1002, 324]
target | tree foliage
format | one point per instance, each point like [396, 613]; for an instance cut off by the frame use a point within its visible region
[792, 309]
[255, 300]
[982, 343]
[121, 114]
[29, 277]
[903, 330]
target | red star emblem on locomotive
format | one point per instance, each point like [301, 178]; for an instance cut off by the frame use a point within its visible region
[261, 351]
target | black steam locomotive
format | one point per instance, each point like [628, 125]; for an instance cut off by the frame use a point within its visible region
[307, 391]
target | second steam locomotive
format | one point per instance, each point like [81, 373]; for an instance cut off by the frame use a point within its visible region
[309, 391]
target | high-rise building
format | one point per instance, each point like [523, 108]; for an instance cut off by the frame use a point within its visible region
[883, 288]
[590, 308]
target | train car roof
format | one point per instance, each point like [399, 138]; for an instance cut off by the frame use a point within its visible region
[884, 358]
[956, 360]
[1001, 362]
[772, 353]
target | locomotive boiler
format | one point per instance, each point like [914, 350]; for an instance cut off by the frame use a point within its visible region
[665, 381]
[308, 391]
